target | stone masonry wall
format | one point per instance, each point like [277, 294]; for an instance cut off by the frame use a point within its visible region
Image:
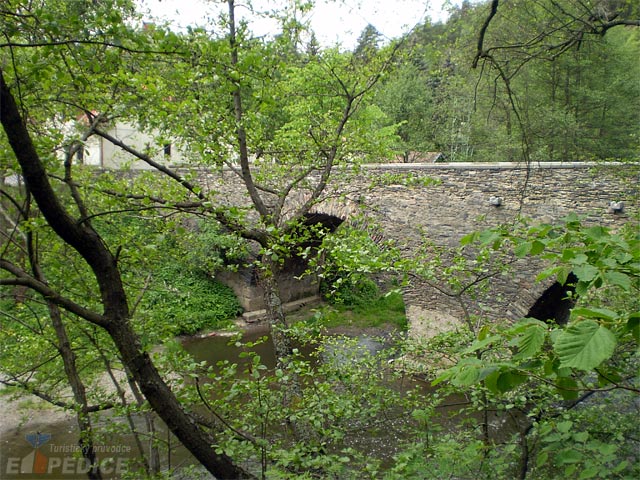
[459, 204]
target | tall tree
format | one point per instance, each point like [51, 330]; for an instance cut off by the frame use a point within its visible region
[285, 123]
[368, 43]
[32, 29]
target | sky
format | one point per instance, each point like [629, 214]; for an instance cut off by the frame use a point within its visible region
[333, 21]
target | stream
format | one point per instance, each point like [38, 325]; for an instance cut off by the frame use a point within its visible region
[38, 441]
[43, 445]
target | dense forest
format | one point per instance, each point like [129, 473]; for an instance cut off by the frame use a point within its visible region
[102, 270]
[567, 99]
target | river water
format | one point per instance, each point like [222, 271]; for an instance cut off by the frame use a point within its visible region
[41, 448]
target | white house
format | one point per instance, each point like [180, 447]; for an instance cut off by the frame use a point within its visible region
[101, 153]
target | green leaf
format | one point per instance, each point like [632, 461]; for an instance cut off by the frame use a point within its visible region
[542, 459]
[582, 288]
[491, 381]
[466, 377]
[530, 343]
[633, 326]
[581, 437]
[469, 238]
[567, 388]
[571, 469]
[522, 250]
[537, 247]
[466, 373]
[565, 426]
[590, 472]
[621, 466]
[586, 272]
[484, 331]
[584, 345]
[446, 375]
[569, 456]
[487, 237]
[596, 232]
[602, 313]
[620, 279]
[509, 380]
[480, 344]
[563, 275]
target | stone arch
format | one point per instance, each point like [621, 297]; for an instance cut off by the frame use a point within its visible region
[506, 298]
[296, 289]
[339, 208]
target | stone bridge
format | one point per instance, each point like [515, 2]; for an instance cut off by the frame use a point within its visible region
[465, 198]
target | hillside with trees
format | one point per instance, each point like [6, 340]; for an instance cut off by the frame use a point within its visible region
[556, 81]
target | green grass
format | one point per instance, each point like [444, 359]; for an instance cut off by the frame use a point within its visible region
[383, 310]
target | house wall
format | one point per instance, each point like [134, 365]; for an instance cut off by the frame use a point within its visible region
[100, 152]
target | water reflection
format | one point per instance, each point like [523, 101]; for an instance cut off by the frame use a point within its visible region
[215, 348]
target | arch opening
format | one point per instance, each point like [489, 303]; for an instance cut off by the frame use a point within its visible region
[555, 303]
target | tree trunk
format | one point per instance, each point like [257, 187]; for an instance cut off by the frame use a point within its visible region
[154, 454]
[302, 429]
[79, 392]
[115, 318]
[68, 356]
[275, 312]
[164, 403]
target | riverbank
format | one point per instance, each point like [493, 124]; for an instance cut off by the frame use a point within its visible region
[20, 412]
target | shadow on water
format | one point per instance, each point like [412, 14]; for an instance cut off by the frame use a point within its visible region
[216, 348]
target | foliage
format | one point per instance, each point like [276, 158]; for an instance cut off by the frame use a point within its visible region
[565, 92]
[209, 248]
[186, 301]
[343, 400]
[598, 441]
[352, 292]
[350, 255]
[604, 322]
[373, 311]
[406, 97]
[453, 455]
[554, 370]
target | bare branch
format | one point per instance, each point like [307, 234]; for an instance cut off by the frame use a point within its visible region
[75, 41]
[149, 161]
[20, 277]
[26, 386]
[480, 52]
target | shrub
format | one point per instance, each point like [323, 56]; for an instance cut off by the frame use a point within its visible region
[350, 291]
[186, 301]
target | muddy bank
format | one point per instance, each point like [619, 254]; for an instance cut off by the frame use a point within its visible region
[21, 412]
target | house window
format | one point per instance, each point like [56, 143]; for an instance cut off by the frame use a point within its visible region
[167, 150]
